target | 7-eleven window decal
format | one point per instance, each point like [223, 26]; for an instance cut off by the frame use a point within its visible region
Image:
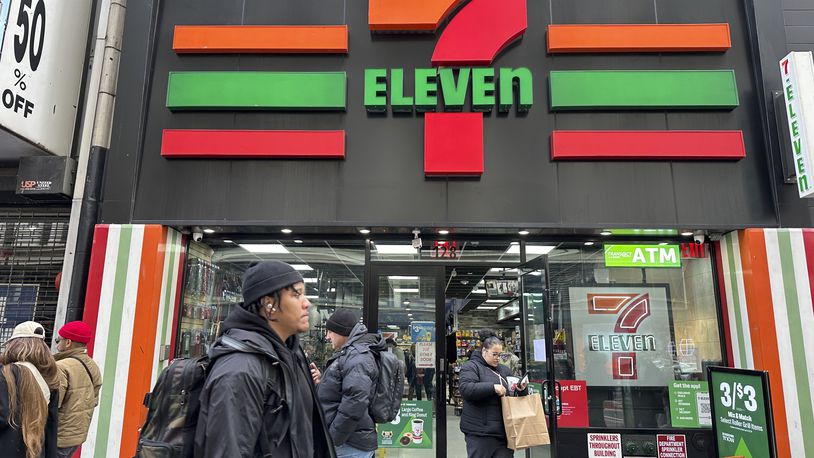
[622, 335]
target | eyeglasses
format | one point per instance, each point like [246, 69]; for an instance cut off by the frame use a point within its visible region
[57, 339]
[494, 354]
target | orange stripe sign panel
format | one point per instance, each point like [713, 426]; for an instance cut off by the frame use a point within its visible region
[608, 38]
[413, 15]
[260, 39]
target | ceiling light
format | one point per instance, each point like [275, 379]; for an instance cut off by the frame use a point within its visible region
[687, 233]
[405, 290]
[364, 231]
[606, 233]
[407, 308]
[392, 326]
[298, 241]
[409, 314]
[443, 232]
[332, 290]
[303, 267]
[523, 232]
[499, 270]
[228, 241]
[495, 301]
[286, 231]
[663, 243]
[406, 302]
[589, 243]
[478, 291]
[310, 280]
[402, 277]
[482, 307]
[209, 231]
[514, 248]
[312, 297]
[268, 248]
[395, 249]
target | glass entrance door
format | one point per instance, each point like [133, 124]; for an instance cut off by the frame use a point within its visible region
[539, 351]
[406, 304]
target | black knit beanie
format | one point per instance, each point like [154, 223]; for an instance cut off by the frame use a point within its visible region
[342, 322]
[264, 278]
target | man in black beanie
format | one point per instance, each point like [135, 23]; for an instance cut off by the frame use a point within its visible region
[347, 386]
[259, 398]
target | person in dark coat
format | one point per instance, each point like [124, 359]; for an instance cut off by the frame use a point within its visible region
[347, 386]
[482, 383]
[259, 398]
[28, 395]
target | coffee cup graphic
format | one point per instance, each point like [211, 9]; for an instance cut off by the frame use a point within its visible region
[418, 431]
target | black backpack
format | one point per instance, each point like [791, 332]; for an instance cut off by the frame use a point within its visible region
[173, 407]
[389, 389]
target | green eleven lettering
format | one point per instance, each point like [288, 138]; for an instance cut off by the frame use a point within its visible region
[505, 87]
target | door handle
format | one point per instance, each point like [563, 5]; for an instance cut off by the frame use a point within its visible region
[556, 398]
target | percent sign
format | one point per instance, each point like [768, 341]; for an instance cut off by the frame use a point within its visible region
[20, 76]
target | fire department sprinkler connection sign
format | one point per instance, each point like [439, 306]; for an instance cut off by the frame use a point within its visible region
[797, 72]
[41, 66]
[671, 445]
[621, 336]
[604, 446]
[423, 335]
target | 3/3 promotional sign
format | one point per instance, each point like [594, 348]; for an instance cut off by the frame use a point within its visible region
[741, 413]
[41, 66]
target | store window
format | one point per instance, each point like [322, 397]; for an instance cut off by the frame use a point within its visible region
[333, 274]
[636, 340]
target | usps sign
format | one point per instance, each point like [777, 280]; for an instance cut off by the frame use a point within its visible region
[41, 66]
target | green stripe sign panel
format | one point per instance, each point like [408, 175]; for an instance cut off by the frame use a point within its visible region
[257, 91]
[643, 89]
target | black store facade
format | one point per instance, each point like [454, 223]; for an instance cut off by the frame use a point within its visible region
[431, 258]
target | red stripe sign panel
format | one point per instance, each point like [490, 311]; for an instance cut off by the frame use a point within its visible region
[254, 144]
[648, 145]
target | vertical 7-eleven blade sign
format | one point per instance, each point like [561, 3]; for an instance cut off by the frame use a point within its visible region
[476, 34]
[622, 335]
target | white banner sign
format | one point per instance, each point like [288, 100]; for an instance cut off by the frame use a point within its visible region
[797, 71]
[621, 335]
[41, 65]
[604, 446]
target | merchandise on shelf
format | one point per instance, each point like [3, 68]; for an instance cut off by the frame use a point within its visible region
[210, 293]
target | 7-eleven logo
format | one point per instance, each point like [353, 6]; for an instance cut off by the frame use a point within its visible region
[631, 311]
[477, 33]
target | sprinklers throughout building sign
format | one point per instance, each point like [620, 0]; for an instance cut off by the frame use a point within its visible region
[621, 335]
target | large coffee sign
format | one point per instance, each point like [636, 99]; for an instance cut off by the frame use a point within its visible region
[797, 71]
[741, 413]
[41, 68]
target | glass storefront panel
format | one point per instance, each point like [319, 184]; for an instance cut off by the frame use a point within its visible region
[333, 273]
[407, 315]
[638, 339]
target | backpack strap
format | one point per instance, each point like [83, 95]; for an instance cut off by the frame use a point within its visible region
[85, 366]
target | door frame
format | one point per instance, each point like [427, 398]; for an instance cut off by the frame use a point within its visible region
[371, 319]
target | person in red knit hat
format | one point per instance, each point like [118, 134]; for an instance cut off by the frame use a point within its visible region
[79, 384]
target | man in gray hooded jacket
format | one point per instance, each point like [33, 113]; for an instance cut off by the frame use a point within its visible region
[346, 388]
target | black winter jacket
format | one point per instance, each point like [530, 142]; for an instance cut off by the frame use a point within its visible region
[11, 439]
[264, 387]
[482, 413]
[346, 388]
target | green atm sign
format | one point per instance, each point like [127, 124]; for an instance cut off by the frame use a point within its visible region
[642, 256]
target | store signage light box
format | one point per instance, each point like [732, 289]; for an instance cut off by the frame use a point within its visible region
[797, 71]
[642, 256]
[463, 65]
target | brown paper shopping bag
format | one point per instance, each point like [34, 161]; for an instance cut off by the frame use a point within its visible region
[525, 421]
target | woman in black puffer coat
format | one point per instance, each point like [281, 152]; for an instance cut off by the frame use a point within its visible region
[483, 383]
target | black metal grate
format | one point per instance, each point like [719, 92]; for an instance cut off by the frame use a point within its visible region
[32, 249]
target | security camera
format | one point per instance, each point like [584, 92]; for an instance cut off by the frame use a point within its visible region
[699, 237]
[197, 236]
